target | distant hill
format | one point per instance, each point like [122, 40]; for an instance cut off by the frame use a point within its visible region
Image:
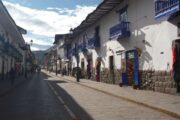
[39, 55]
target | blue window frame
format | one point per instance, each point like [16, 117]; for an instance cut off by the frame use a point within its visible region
[123, 14]
[166, 7]
[121, 30]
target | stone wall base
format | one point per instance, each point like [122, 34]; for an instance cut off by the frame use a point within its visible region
[107, 76]
[160, 81]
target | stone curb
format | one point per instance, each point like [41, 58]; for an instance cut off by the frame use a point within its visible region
[173, 114]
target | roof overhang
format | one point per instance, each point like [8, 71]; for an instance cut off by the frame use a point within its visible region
[105, 7]
[9, 25]
[22, 30]
[59, 37]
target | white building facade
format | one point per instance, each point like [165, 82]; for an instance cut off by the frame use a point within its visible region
[130, 42]
[11, 42]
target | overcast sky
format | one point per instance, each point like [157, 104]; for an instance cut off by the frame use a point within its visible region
[44, 18]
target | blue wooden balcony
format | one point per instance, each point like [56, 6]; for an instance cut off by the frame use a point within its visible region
[73, 52]
[120, 31]
[166, 7]
[82, 47]
[94, 42]
[68, 55]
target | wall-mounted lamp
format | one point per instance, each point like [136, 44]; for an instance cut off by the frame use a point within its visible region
[161, 52]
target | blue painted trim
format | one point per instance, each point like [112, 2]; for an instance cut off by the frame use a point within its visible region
[82, 47]
[168, 8]
[136, 68]
[120, 31]
[136, 77]
[94, 42]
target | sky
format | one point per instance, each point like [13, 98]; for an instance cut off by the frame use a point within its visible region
[44, 18]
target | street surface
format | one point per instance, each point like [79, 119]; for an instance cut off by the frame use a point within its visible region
[53, 98]
[32, 100]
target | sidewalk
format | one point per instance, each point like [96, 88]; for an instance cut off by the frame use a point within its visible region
[166, 103]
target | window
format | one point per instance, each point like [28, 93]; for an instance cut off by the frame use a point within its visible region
[96, 30]
[123, 14]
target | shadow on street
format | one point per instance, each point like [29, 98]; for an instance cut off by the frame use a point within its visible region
[71, 103]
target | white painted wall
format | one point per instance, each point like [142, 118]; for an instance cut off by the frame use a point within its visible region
[158, 35]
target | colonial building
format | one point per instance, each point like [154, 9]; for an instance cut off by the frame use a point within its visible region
[62, 42]
[12, 54]
[130, 42]
[51, 61]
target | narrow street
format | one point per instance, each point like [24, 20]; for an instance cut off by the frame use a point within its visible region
[32, 100]
[51, 98]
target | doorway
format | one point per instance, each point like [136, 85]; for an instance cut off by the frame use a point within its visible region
[130, 66]
[176, 63]
[130, 74]
[111, 68]
[89, 67]
[98, 70]
[82, 68]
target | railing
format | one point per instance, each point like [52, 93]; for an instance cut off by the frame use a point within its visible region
[94, 42]
[166, 7]
[120, 30]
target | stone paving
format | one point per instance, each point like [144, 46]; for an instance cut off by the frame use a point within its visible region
[102, 106]
[162, 102]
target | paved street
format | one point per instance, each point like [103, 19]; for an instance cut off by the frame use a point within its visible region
[32, 100]
[54, 98]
